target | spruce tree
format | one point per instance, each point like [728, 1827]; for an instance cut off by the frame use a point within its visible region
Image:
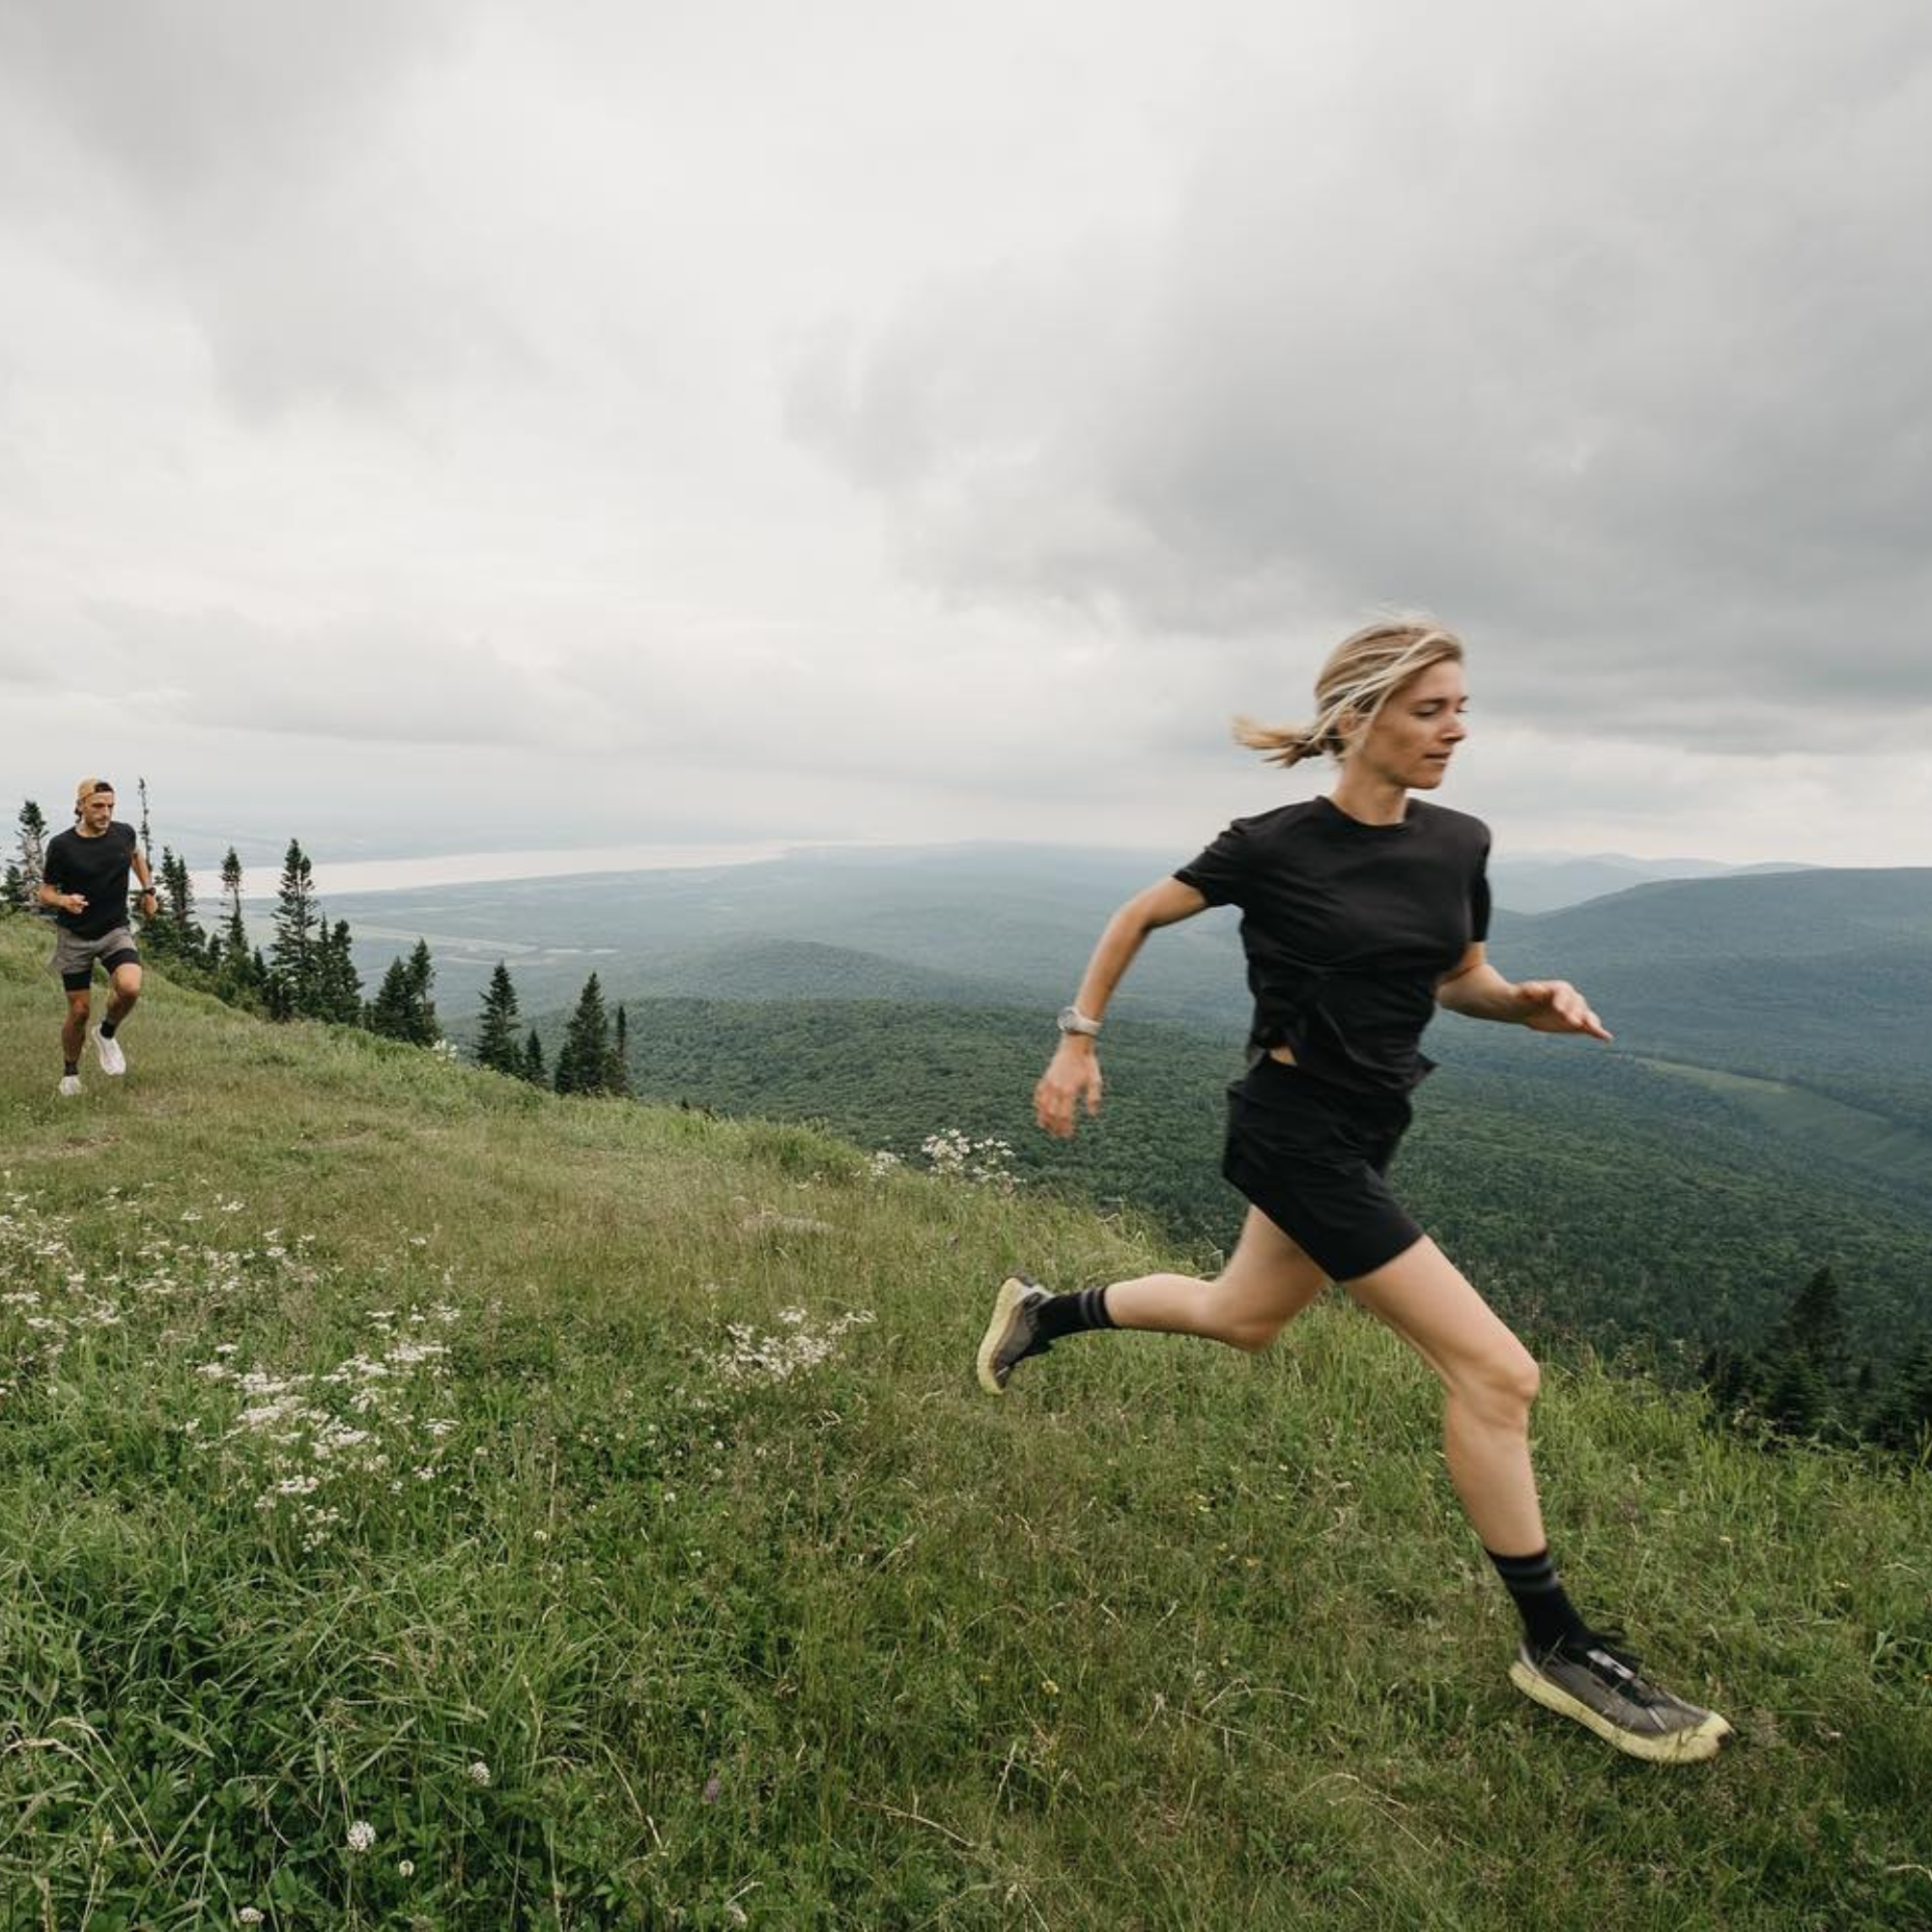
[292, 952]
[497, 1045]
[532, 1069]
[392, 1013]
[583, 1061]
[422, 976]
[234, 942]
[147, 836]
[1814, 1327]
[617, 1063]
[338, 989]
[32, 832]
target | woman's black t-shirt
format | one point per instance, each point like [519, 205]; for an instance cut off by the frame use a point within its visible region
[1348, 929]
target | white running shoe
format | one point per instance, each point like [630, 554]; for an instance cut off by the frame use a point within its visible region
[113, 1062]
[69, 1086]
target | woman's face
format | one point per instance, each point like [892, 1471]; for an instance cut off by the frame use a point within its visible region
[1416, 732]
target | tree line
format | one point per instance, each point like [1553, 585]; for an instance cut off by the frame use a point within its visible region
[307, 971]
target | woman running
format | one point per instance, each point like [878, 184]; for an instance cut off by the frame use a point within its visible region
[1362, 911]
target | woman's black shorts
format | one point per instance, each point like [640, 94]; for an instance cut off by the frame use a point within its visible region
[1312, 1156]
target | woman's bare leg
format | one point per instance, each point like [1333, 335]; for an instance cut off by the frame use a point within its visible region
[1490, 1378]
[1268, 1282]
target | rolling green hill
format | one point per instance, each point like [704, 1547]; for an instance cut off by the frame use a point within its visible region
[425, 1502]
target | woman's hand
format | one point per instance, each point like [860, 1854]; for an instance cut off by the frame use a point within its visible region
[1073, 1075]
[1555, 1005]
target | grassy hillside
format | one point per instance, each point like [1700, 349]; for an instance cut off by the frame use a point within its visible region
[1584, 1193]
[594, 1504]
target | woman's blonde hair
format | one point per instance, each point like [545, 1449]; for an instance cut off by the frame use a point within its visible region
[1362, 672]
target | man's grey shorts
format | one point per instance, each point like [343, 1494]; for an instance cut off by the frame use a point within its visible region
[74, 957]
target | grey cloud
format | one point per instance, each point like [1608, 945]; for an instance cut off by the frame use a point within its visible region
[256, 160]
[1611, 347]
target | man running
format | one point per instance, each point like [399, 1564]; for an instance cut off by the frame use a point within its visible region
[85, 881]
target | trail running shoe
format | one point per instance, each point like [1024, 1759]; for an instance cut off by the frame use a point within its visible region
[113, 1062]
[1013, 1333]
[69, 1086]
[1596, 1682]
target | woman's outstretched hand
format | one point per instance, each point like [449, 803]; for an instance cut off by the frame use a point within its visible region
[1073, 1075]
[1555, 1005]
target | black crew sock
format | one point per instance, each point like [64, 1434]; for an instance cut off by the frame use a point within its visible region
[107, 1029]
[72, 1069]
[1549, 1616]
[1069, 1314]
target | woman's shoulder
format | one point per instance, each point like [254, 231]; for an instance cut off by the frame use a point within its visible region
[1444, 823]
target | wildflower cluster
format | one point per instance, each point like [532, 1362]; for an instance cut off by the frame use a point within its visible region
[982, 1163]
[54, 1295]
[796, 1347]
[318, 1443]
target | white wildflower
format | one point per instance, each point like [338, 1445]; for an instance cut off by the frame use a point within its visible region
[479, 1773]
[361, 1835]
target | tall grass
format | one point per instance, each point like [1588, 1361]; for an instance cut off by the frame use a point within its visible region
[588, 1512]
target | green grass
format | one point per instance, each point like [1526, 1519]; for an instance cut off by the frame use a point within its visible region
[1170, 1638]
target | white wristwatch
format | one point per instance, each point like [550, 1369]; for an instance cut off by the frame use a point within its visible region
[1073, 1020]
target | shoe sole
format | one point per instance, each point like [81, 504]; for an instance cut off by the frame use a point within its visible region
[1011, 1292]
[1687, 1747]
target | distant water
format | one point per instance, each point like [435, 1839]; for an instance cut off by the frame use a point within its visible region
[476, 868]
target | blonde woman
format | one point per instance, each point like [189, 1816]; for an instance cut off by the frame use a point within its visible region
[1362, 911]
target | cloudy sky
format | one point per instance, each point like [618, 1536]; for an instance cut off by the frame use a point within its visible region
[445, 427]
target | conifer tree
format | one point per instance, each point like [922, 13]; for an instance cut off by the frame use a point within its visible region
[11, 897]
[532, 1069]
[618, 1065]
[292, 952]
[338, 988]
[497, 1046]
[147, 836]
[1814, 1326]
[583, 1061]
[235, 932]
[32, 834]
[422, 976]
[392, 1011]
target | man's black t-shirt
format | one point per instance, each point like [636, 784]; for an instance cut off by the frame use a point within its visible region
[98, 869]
[1348, 929]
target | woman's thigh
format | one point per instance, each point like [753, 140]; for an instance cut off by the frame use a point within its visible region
[1269, 1274]
[1430, 1303]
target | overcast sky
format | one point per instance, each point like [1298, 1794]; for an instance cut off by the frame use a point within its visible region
[443, 427]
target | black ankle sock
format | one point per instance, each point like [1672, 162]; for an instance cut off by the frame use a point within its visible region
[107, 1029]
[1069, 1314]
[1549, 1616]
[72, 1069]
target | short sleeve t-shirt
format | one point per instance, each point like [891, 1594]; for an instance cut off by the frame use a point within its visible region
[1348, 928]
[98, 869]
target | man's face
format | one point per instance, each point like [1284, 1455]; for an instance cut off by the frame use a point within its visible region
[97, 814]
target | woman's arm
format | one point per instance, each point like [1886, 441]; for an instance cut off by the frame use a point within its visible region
[1073, 1074]
[1476, 988]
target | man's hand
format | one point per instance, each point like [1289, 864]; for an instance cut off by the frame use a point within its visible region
[1073, 1075]
[75, 903]
[1555, 1005]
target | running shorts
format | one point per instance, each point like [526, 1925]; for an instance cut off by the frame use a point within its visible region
[1314, 1157]
[74, 957]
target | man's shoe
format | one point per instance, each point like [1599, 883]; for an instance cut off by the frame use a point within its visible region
[1592, 1679]
[113, 1062]
[1013, 1333]
[69, 1086]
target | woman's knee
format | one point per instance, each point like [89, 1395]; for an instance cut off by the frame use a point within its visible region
[1503, 1382]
